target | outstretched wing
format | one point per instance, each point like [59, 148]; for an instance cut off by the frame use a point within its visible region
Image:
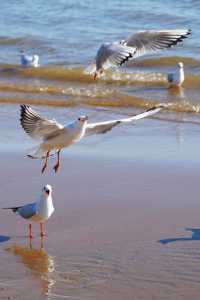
[113, 54]
[153, 40]
[36, 126]
[103, 127]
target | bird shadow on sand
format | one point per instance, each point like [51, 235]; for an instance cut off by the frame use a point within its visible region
[194, 237]
[4, 238]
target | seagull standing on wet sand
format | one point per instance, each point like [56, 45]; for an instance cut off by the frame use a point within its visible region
[144, 42]
[29, 60]
[55, 136]
[39, 211]
[177, 78]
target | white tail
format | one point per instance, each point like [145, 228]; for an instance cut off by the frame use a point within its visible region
[38, 153]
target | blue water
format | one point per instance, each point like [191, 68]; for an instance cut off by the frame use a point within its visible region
[69, 32]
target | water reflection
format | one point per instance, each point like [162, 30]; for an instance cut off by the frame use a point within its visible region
[177, 93]
[39, 262]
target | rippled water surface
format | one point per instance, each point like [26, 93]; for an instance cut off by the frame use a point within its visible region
[67, 34]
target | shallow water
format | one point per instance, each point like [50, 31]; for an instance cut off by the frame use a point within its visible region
[67, 35]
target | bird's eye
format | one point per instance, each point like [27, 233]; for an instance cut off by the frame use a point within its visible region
[79, 119]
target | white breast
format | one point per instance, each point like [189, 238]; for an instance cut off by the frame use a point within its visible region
[45, 209]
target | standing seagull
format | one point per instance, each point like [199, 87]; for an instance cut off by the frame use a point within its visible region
[138, 44]
[177, 78]
[55, 136]
[39, 211]
[29, 60]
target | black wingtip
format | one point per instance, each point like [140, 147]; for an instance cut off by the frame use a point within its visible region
[14, 209]
[130, 55]
[153, 108]
[23, 107]
[161, 106]
[180, 39]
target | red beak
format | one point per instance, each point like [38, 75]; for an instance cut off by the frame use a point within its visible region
[95, 75]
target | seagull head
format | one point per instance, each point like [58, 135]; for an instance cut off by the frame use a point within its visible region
[47, 190]
[82, 119]
[180, 65]
[98, 73]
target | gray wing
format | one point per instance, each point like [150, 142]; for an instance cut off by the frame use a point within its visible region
[27, 211]
[103, 127]
[113, 54]
[153, 40]
[170, 77]
[26, 59]
[36, 126]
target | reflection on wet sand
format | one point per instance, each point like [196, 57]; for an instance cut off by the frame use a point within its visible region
[40, 263]
[74, 276]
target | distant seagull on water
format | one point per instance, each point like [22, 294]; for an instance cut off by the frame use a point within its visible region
[116, 53]
[55, 136]
[176, 78]
[29, 60]
[39, 211]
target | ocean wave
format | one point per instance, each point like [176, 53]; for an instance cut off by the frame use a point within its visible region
[121, 76]
[112, 101]
[166, 61]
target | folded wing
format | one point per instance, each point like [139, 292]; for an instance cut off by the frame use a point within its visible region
[103, 127]
[27, 211]
[36, 126]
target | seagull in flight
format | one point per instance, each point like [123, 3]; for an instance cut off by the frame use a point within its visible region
[39, 211]
[54, 136]
[116, 53]
[177, 78]
[29, 60]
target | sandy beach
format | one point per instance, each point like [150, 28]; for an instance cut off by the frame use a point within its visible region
[126, 224]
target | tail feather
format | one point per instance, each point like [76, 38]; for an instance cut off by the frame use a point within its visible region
[38, 153]
[14, 209]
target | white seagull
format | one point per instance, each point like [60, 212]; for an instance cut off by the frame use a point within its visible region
[55, 136]
[29, 60]
[177, 78]
[144, 42]
[39, 211]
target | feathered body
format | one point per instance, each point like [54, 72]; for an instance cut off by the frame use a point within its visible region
[39, 211]
[55, 136]
[117, 53]
[177, 78]
[29, 60]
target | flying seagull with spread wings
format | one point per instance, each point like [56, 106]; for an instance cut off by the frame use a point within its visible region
[54, 136]
[115, 54]
[39, 211]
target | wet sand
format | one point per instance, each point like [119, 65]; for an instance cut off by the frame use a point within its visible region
[119, 228]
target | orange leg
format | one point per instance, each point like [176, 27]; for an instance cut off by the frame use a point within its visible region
[45, 162]
[42, 232]
[30, 231]
[57, 165]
